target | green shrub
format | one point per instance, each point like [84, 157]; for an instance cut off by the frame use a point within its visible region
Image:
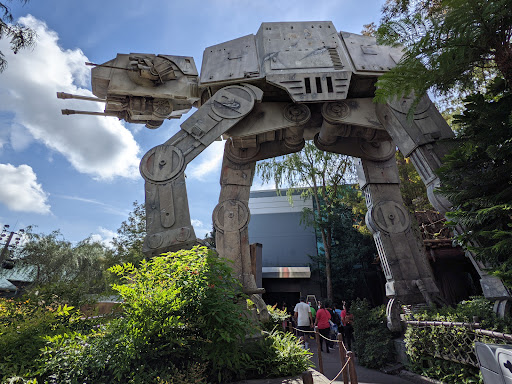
[278, 354]
[182, 313]
[23, 328]
[183, 321]
[178, 308]
[446, 371]
[373, 340]
[277, 316]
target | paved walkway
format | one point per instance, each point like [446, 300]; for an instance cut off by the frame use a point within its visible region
[332, 365]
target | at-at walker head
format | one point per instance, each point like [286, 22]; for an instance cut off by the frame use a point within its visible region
[143, 88]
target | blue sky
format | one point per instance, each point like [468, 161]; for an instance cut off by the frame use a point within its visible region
[79, 174]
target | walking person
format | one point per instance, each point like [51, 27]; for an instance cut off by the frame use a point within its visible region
[324, 327]
[303, 319]
[348, 329]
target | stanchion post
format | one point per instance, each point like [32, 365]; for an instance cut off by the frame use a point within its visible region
[352, 368]
[307, 377]
[319, 351]
[343, 358]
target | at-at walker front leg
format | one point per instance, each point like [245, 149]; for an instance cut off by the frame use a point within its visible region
[231, 218]
[168, 223]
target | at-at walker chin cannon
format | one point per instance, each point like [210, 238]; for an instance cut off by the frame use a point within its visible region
[265, 94]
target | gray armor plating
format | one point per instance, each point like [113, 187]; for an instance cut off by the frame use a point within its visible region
[265, 94]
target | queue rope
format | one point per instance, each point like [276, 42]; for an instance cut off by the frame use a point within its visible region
[334, 341]
[342, 369]
[326, 338]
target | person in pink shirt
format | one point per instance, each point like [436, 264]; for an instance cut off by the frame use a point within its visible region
[322, 321]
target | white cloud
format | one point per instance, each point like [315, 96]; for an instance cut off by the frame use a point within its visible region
[20, 137]
[99, 146]
[105, 237]
[19, 190]
[106, 207]
[258, 185]
[211, 161]
[200, 229]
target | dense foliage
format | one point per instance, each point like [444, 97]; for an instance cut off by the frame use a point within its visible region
[127, 245]
[352, 255]
[373, 340]
[414, 192]
[23, 328]
[277, 317]
[448, 45]
[477, 178]
[182, 322]
[67, 272]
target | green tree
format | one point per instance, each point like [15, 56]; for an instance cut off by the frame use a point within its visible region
[477, 178]
[448, 45]
[130, 237]
[352, 253]
[63, 271]
[412, 188]
[319, 175]
[21, 36]
[209, 239]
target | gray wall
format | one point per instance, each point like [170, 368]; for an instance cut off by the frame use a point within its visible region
[286, 243]
[276, 225]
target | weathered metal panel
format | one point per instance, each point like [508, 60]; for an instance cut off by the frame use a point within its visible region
[300, 45]
[366, 56]
[233, 60]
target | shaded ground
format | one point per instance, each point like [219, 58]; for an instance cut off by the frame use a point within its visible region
[332, 365]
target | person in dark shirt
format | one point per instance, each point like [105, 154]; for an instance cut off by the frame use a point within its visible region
[348, 329]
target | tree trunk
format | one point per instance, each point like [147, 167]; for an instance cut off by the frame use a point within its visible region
[326, 239]
[503, 58]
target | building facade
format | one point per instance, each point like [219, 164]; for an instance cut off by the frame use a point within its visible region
[286, 246]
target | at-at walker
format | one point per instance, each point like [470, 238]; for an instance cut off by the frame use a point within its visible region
[265, 94]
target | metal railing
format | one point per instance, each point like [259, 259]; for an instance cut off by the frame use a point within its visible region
[455, 341]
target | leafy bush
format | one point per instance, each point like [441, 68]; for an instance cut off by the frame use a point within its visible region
[23, 328]
[278, 354]
[182, 313]
[277, 316]
[447, 371]
[374, 341]
[290, 358]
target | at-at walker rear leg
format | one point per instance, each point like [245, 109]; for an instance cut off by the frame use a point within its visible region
[408, 275]
[409, 278]
[426, 140]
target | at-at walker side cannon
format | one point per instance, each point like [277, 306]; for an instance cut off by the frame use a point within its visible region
[265, 94]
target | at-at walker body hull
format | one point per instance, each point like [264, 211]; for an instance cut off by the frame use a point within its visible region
[266, 94]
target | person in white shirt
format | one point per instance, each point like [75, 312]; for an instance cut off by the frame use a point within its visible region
[303, 319]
